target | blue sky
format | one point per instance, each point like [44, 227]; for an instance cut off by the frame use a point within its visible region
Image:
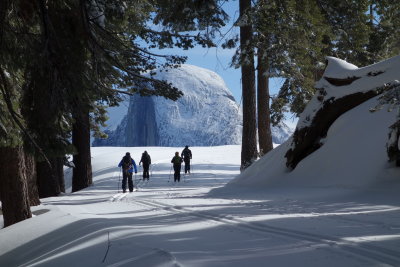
[218, 59]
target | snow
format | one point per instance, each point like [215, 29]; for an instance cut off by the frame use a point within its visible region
[338, 68]
[205, 115]
[339, 207]
[369, 78]
[339, 166]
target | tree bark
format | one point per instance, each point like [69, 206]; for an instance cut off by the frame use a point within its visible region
[82, 172]
[264, 117]
[31, 177]
[13, 186]
[50, 179]
[249, 140]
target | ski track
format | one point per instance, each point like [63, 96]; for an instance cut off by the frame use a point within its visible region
[370, 252]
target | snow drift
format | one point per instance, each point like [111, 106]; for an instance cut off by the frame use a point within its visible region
[353, 153]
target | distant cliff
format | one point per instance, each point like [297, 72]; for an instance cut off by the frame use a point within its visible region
[207, 114]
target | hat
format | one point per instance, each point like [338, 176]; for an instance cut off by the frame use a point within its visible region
[177, 153]
[186, 146]
[128, 154]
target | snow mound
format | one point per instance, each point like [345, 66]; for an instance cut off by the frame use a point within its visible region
[358, 80]
[353, 157]
[338, 68]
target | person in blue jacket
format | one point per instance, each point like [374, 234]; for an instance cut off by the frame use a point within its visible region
[127, 163]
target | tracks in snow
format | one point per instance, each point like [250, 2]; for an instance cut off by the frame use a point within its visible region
[371, 252]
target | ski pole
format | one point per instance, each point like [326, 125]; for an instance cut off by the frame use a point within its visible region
[119, 178]
[135, 182]
[169, 177]
[184, 178]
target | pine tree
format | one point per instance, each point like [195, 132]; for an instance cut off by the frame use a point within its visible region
[249, 143]
[263, 110]
[69, 59]
[292, 33]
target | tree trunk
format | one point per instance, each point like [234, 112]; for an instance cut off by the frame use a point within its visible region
[50, 179]
[249, 140]
[82, 173]
[264, 117]
[13, 186]
[31, 177]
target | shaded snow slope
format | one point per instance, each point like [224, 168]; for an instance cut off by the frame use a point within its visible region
[353, 156]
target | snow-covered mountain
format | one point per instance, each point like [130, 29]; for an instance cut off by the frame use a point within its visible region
[207, 115]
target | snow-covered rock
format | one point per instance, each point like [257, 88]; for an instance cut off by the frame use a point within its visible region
[353, 152]
[360, 80]
[207, 115]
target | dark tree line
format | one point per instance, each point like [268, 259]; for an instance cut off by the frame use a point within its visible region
[290, 40]
[61, 63]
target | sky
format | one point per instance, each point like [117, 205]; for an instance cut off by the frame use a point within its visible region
[218, 59]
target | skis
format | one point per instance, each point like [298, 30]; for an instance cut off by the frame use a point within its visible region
[141, 183]
[118, 197]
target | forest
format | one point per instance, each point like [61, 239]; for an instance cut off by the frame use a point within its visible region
[63, 62]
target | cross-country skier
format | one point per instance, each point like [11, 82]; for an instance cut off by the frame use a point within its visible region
[146, 160]
[187, 156]
[127, 163]
[177, 161]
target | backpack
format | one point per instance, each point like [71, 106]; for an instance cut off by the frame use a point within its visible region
[126, 163]
[186, 153]
[177, 160]
[146, 159]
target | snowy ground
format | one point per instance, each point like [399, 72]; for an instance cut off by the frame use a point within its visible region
[167, 224]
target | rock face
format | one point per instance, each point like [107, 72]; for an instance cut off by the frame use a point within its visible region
[207, 114]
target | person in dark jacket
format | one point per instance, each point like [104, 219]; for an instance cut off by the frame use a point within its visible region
[146, 160]
[177, 162]
[187, 156]
[128, 164]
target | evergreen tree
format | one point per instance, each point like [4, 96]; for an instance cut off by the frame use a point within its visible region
[249, 143]
[293, 34]
[70, 58]
[289, 41]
